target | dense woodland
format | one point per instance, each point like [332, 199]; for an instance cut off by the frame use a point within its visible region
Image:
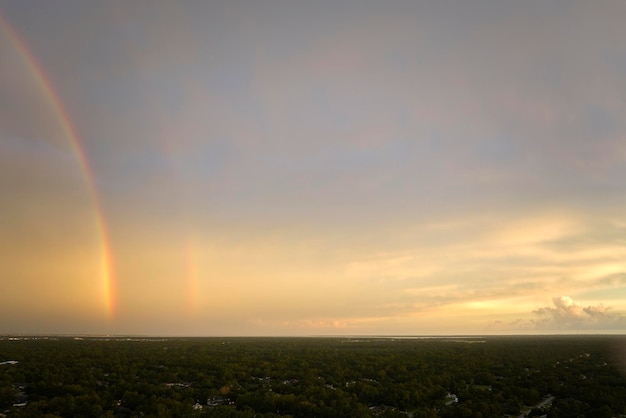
[553, 376]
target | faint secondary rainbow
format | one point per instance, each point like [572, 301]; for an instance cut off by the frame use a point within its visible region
[69, 131]
[190, 253]
[191, 261]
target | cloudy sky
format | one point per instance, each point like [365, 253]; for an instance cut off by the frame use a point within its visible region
[312, 167]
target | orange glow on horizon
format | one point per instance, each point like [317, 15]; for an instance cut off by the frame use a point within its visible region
[50, 95]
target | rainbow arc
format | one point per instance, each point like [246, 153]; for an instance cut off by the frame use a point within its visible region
[51, 96]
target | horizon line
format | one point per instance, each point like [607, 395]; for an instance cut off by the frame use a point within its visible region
[370, 336]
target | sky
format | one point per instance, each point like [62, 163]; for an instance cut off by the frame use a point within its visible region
[276, 167]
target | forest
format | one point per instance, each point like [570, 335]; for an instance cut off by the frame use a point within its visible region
[550, 376]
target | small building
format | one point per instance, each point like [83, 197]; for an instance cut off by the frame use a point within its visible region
[451, 398]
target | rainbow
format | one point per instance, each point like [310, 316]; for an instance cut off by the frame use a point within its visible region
[69, 131]
[191, 261]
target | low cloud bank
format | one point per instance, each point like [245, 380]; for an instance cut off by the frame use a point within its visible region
[566, 314]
